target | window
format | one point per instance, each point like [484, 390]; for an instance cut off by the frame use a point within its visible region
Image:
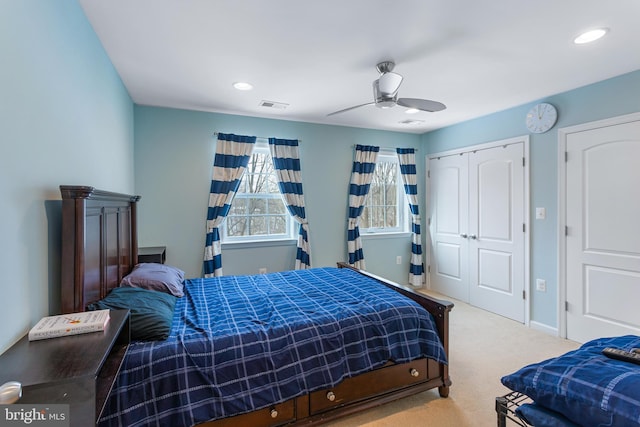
[258, 211]
[385, 210]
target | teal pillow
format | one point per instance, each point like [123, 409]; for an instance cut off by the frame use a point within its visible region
[151, 311]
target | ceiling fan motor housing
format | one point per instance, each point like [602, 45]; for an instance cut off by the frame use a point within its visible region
[389, 83]
[383, 100]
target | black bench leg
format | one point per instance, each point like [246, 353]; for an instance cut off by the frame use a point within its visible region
[501, 410]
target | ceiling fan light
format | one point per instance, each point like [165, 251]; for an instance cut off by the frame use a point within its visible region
[590, 36]
[385, 103]
[388, 83]
[412, 111]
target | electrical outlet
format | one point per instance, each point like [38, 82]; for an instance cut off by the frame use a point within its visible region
[398, 259]
[262, 270]
[541, 285]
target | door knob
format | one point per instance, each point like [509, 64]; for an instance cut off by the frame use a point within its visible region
[464, 236]
[472, 236]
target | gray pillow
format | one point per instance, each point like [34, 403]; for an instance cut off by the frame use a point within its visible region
[156, 277]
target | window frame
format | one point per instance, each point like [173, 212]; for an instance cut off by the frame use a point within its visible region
[402, 205]
[259, 148]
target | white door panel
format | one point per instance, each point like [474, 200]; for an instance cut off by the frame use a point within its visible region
[449, 207]
[477, 242]
[603, 239]
[496, 214]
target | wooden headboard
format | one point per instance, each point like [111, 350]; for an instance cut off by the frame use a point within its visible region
[99, 243]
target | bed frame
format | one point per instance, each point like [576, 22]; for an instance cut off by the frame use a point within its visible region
[99, 247]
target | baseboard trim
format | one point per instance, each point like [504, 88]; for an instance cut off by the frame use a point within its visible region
[543, 328]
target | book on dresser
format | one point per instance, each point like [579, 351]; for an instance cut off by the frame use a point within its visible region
[69, 324]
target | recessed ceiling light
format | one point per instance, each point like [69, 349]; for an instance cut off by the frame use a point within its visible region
[590, 36]
[412, 111]
[243, 86]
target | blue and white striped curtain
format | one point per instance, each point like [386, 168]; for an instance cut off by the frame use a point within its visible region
[232, 157]
[407, 158]
[361, 175]
[286, 162]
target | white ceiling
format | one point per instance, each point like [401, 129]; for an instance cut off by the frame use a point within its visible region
[475, 56]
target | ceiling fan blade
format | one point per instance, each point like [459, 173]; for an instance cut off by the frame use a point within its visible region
[422, 104]
[388, 83]
[350, 108]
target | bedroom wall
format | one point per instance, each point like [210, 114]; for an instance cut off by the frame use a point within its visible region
[66, 118]
[609, 98]
[173, 164]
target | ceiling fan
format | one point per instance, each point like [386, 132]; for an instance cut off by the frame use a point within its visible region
[385, 93]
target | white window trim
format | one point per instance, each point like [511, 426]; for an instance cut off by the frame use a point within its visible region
[256, 240]
[402, 203]
[260, 243]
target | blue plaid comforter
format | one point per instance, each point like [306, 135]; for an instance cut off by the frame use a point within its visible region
[241, 343]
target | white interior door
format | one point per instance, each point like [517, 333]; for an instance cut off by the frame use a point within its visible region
[603, 231]
[448, 229]
[496, 230]
[477, 213]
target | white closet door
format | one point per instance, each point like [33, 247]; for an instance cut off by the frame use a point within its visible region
[477, 213]
[496, 233]
[448, 229]
[603, 231]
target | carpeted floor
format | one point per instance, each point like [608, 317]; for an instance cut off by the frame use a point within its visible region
[483, 348]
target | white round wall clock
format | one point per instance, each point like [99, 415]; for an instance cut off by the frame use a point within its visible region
[541, 117]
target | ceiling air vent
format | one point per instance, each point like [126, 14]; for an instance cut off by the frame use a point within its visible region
[273, 104]
[411, 122]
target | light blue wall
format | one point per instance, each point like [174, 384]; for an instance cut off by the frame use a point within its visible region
[609, 98]
[66, 118]
[173, 163]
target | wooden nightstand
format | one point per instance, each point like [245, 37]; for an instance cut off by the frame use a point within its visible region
[157, 254]
[78, 370]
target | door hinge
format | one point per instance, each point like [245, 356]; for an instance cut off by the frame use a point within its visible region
[429, 269]
[523, 162]
[566, 306]
[429, 221]
[524, 294]
[524, 228]
[428, 174]
[566, 230]
[566, 156]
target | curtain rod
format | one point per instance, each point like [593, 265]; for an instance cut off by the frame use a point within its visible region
[257, 137]
[386, 148]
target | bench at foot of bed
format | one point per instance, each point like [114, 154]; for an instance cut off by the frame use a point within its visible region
[506, 406]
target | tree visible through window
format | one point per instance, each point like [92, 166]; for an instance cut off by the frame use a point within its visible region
[385, 207]
[258, 211]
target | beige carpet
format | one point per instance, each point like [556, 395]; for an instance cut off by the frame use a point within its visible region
[483, 348]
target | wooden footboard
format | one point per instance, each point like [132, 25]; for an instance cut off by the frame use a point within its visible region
[365, 391]
[439, 309]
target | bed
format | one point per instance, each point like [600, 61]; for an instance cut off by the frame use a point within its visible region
[580, 388]
[99, 249]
